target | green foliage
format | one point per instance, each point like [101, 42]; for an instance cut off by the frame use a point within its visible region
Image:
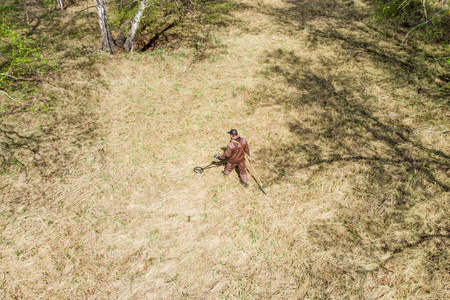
[48, 4]
[21, 59]
[213, 10]
[430, 19]
[397, 8]
[18, 52]
[7, 8]
[160, 13]
[123, 12]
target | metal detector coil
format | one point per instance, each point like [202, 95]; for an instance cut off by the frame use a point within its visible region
[198, 170]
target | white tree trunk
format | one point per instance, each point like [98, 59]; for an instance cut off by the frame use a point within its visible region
[129, 43]
[108, 43]
[60, 4]
[24, 4]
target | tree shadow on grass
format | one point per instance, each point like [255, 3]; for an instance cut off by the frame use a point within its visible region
[345, 108]
[344, 126]
[342, 133]
[41, 132]
[351, 27]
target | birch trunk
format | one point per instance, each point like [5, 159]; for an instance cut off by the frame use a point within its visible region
[26, 12]
[108, 43]
[60, 4]
[129, 42]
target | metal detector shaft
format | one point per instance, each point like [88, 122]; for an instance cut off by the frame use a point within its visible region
[200, 169]
[259, 181]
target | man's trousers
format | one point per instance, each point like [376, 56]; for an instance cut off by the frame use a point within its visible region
[242, 171]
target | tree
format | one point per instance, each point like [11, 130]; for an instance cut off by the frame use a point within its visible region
[150, 17]
[60, 4]
[108, 42]
[129, 42]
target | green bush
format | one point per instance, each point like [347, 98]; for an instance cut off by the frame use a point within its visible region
[21, 60]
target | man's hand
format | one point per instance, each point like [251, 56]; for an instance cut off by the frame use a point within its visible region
[216, 156]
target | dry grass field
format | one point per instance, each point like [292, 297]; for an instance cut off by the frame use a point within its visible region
[346, 128]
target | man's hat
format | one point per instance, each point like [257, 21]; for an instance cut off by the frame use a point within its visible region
[233, 132]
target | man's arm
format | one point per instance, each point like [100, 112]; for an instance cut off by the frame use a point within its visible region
[227, 154]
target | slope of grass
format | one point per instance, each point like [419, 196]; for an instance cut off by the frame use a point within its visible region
[332, 106]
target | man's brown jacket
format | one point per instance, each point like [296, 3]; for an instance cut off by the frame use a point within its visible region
[234, 151]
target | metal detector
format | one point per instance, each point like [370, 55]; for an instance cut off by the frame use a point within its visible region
[200, 169]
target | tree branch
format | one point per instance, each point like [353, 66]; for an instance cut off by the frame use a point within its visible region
[8, 95]
[16, 78]
[85, 9]
[438, 13]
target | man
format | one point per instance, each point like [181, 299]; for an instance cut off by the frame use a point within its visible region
[236, 150]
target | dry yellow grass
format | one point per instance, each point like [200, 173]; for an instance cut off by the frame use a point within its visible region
[357, 204]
